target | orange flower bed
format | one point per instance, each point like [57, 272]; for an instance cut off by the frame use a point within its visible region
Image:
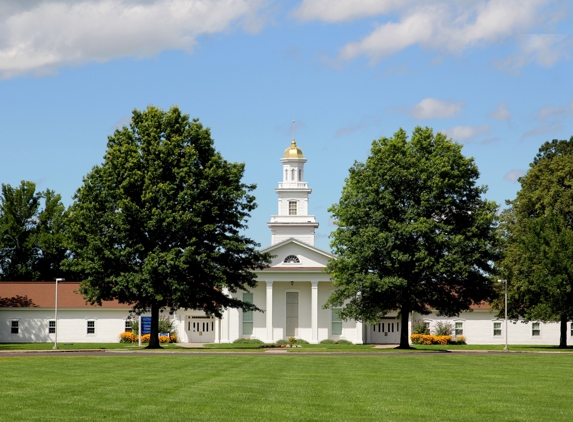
[129, 337]
[429, 339]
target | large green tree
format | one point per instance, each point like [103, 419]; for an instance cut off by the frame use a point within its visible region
[538, 232]
[31, 233]
[159, 224]
[413, 232]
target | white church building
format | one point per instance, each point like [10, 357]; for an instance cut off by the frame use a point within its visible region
[291, 292]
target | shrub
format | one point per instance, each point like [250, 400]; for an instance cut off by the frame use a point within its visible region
[458, 340]
[131, 337]
[282, 342]
[342, 341]
[443, 328]
[300, 341]
[127, 337]
[420, 327]
[328, 341]
[248, 341]
[430, 339]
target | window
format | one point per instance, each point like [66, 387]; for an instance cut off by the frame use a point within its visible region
[15, 326]
[52, 327]
[91, 325]
[291, 207]
[292, 259]
[571, 333]
[497, 328]
[248, 316]
[292, 174]
[128, 328]
[459, 329]
[299, 175]
[535, 329]
[336, 321]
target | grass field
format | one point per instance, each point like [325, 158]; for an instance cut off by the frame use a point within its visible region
[382, 387]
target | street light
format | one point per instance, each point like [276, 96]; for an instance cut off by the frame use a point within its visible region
[505, 307]
[56, 315]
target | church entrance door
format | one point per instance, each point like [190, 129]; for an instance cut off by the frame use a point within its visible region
[291, 314]
[200, 329]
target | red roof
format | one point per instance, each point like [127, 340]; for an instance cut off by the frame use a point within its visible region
[42, 294]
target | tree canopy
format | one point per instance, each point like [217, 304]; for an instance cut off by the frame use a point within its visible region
[413, 232]
[159, 224]
[538, 247]
[32, 233]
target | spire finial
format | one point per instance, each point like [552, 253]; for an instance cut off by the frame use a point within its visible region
[293, 130]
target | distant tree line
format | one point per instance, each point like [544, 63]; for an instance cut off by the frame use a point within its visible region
[32, 234]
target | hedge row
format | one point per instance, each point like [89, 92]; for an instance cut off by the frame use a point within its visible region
[432, 339]
[130, 337]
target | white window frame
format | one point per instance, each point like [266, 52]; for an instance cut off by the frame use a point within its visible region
[52, 326]
[497, 327]
[535, 332]
[15, 326]
[127, 325]
[335, 321]
[292, 207]
[248, 317]
[456, 328]
[93, 327]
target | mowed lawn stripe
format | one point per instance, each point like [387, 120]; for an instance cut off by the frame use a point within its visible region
[500, 387]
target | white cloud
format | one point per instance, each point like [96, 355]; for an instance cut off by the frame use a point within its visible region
[542, 49]
[431, 108]
[513, 175]
[43, 35]
[501, 112]
[466, 133]
[543, 130]
[344, 10]
[548, 111]
[450, 26]
[365, 122]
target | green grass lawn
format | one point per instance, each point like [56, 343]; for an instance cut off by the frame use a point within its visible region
[380, 387]
[78, 346]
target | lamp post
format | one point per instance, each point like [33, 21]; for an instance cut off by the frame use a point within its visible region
[505, 307]
[56, 314]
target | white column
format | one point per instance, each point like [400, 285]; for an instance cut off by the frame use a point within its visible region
[225, 322]
[314, 312]
[359, 333]
[269, 312]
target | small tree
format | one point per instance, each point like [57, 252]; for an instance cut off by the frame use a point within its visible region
[159, 224]
[413, 232]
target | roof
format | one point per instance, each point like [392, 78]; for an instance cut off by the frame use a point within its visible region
[42, 294]
[293, 151]
[298, 242]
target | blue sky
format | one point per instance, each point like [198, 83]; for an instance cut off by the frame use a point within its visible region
[496, 76]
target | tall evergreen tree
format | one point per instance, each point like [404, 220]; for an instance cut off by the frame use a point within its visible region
[159, 224]
[413, 232]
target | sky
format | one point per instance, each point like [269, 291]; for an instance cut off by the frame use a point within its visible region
[494, 75]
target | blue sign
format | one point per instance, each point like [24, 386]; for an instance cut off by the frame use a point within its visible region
[145, 325]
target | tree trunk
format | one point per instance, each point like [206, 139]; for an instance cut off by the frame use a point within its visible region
[154, 336]
[404, 322]
[563, 329]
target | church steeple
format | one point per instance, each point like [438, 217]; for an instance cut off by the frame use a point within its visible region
[293, 220]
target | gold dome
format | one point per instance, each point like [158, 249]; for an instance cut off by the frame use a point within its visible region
[293, 151]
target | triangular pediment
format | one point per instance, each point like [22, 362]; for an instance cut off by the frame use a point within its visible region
[307, 256]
